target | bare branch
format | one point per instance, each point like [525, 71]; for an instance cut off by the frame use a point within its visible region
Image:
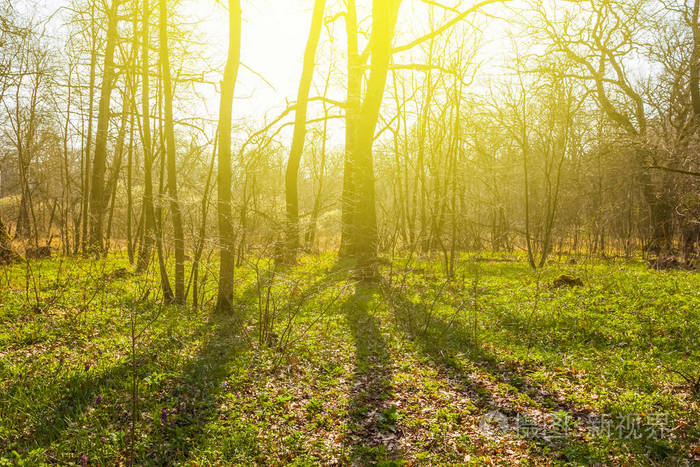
[446, 26]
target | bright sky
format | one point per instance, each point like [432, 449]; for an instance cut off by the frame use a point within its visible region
[273, 39]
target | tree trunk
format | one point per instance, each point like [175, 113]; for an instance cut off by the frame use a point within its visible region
[694, 82]
[130, 158]
[129, 188]
[194, 278]
[7, 252]
[148, 210]
[97, 196]
[291, 189]
[528, 236]
[170, 152]
[168, 295]
[224, 177]
[352, 111]
[113, 182]
[384, 16]
[316, 210]
[65, 198]
[85, 201]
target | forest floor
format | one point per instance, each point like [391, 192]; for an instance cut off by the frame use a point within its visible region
[495, 366]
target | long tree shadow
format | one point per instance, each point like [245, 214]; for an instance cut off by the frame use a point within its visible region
[190, 400]
[51, 418]
[96, 386]
[52, 406]
[444, 338]
[187, 401]
[372, 424]
[445, 341]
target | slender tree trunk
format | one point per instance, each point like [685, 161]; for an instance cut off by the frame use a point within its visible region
[224, 177]
[113, 182]
[170, 153]
[168, 295]
[384, 16]
[528, 240]
[291, 189]
[202, 229]
[456, 148]
[7, 252]
[399, 195]
[316, 211]
[694, 81]
[23, 226]
[130, 158]
[23, 141]
[146, 249]
[129, 188]
[352, 113]
[99, 163]
[420, 181]
[85, 203]
[66, 170]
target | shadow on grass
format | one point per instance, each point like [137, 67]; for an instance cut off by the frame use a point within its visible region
[189, 403]
[372, 420]
[194, 422]
[185, 403]
[446, 341]
[49, 417]
[177, 399]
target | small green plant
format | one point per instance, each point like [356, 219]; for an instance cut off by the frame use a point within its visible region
[389, 418]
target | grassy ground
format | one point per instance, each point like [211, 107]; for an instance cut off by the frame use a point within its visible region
[494, 366]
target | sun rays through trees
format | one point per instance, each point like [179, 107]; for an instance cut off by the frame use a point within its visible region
[349, 231]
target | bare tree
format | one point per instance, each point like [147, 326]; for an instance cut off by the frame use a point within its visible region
[170, 153]
[99, 162]
[360, 219]
[292, 172]
[601, 47]
[7, 251]
[224, 178]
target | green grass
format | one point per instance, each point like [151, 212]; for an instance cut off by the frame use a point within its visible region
[399, 373]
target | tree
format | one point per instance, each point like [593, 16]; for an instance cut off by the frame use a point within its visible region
[359, 219]
[133, 83]
[170, 152]
[87, 142]
[601, 47]
[148, 210]
[224, 177]
[352, 111]
[32, 75]
[292, 172]
[359, 235]
[7, 251]
[99, 162]
[694, 81]
[384, 16]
